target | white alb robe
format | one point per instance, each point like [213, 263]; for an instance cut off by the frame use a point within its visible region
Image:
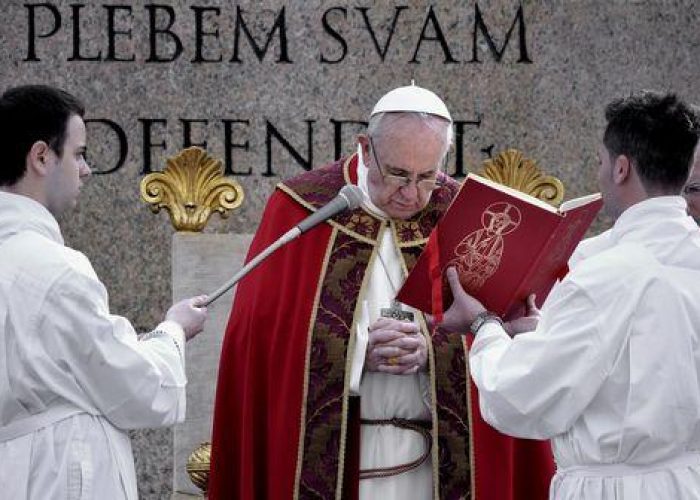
[385, 396]
[612, 373]
[73, 377]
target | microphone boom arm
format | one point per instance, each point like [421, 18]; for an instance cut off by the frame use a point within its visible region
[253, 263]
[349, 197]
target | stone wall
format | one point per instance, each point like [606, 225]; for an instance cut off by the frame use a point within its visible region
[273, 88]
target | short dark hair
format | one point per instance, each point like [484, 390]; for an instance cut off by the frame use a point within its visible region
[658, 132]
[28, 114]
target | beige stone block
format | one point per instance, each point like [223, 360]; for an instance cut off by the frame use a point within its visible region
[200, 264]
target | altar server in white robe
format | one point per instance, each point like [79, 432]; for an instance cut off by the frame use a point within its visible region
[611, 374]
[73, 377]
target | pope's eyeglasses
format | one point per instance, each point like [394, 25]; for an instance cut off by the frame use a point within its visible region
[401, 181]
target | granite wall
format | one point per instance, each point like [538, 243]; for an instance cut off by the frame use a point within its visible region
[273, 88]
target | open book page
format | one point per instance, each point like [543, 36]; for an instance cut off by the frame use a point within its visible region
[564, 207]
[578, 202]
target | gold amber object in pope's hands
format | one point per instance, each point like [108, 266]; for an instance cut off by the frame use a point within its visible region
[191, 187]
[511, 169]
[198, 466]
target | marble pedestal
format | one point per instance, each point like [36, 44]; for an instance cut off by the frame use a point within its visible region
[200, 264]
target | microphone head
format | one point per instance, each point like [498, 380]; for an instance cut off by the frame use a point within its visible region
[353, 195]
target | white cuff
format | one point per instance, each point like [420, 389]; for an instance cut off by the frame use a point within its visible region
[491, 328]
[170, 329]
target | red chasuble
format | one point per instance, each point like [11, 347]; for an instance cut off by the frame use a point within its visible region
[284, 423]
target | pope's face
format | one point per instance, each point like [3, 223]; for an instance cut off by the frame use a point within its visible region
[409, 149]
[691, 191]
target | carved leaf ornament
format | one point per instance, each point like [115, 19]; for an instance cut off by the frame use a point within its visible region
[191, 188]
[511, 169]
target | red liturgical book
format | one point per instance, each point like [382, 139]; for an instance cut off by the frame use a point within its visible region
[504, 244]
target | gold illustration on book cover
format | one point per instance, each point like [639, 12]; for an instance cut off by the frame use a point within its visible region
[478, 255]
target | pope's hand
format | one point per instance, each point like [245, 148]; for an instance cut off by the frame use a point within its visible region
[188, 314]
[395, 347]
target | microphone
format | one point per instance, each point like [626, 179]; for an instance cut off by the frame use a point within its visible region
[348, 198]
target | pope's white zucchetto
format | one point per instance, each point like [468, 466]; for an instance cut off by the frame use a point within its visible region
[411, 99]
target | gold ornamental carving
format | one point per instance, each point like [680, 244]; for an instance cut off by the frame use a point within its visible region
[511, 169]
[198, 466]
[191, 188]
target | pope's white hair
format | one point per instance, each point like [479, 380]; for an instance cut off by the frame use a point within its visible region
[382, 122]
